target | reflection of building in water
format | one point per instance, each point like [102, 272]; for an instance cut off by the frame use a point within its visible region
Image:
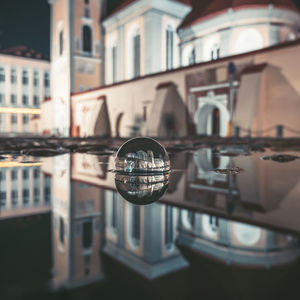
[77, 237]
[142, 237]
[206, 186]
[76, 228]
[24, 190]
[235, 243]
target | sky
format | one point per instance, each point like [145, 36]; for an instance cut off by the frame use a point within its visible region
[27, 22]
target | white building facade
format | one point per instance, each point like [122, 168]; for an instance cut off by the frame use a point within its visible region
[24, 84]
[239, 27]
[141, 39]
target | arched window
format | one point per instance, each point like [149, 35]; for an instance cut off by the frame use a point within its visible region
[87, 39]
[210, 225]
[248, 40]
[61, 42]
[136, 54]
[169, 47]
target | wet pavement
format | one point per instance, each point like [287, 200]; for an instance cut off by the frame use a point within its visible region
[222, 224]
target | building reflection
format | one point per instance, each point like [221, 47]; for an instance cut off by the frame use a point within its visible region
[93, 226]
[97, 222]
[235, 243]
[24, 189]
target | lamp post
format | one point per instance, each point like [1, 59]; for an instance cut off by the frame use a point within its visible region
[231, 72]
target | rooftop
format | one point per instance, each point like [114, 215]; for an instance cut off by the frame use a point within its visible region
[24, 51]
[207, 8]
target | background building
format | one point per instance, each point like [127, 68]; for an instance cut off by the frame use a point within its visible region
[24, 84]
[215, 29]
[135, 39]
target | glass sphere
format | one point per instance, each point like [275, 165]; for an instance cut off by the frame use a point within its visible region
[138, 190]
[142, 170]
[142, 156]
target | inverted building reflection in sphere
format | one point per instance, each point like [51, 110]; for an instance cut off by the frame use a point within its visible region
[142, 170]
[142, 156]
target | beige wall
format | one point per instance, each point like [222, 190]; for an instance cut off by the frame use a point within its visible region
[130, 97]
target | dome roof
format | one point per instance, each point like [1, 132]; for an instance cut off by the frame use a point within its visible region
[207, 8]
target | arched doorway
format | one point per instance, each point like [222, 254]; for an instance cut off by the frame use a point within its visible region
[211, 117]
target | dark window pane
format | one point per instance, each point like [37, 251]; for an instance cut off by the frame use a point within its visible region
[87, 234]
[87, 38]
[136, 55]
[169, 234]
[61, 230]
[61, 41]
[114, 63]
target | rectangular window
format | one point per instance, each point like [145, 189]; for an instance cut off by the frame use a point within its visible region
[61, 41]
[87, 234]
[3, 199]
[114, 64]
[36, 173]
[36, 195]
[114, 222]
[169, 234]
[2, 176]
[25, 197]
[36, 100]
[86, 12]
[13, 76]
[136, 56]
[25, 99]
[136, 221]
[170, 47]
[25, 174]
[25, 119]
[46, 80]
[13, 99]
[2, 98]
[25, 77]
[13, 119]
[14, 198]
[36, 78]
[13, 174]
[2, 75]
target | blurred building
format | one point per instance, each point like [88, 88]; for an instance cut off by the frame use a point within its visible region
[141, 46]
[235, 243]
[24, 84]
[24, 189]
[215, 29]
[77, 226]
